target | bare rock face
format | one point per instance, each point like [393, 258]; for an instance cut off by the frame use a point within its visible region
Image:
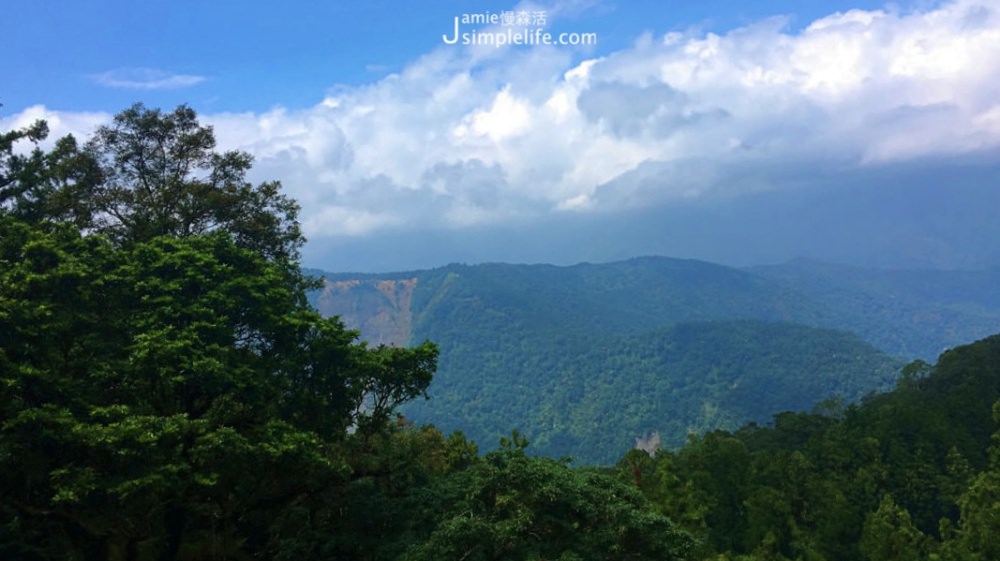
[382, 310]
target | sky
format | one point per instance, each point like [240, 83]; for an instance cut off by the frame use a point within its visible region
[407, 151]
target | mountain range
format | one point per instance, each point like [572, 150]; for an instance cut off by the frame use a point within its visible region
[591, 359]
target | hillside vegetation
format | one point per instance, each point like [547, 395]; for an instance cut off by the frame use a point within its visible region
[912, 474]
[591, 397]
[550, 349]
[917, 313]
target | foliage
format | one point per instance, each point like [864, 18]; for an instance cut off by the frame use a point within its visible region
[149, 174]
[187, 387]
[910, 474]
[905, 313]
[687, 378]
[512, 506]
[165, 390]
[654, 344]
[889, 535]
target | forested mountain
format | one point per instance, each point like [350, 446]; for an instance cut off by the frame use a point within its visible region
[592, 397]
[517, 339]
[913, 474]
[905, 313]
[500, 300]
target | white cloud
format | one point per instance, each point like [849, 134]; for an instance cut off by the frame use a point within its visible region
[462, 137]
[507, 117]
[61, 123]
[145, 79]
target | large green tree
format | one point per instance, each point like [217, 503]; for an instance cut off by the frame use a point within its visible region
[174, 397]
[513, 506]
[975, 537]
[889, 535]
[148, 173]
[165, 390]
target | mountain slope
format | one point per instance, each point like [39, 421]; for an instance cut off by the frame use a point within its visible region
[911, 313]
[498, 300]
[592, 397]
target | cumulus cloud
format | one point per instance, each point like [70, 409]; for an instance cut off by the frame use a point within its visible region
[61, 123]
[466, 136]
[145, 79]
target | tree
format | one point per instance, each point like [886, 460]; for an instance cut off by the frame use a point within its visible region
[161, 176]
[889, 535]
[513, 506]
[975, 538]
[47, 186]
[148, 174]
[175, 395]
[11, 163]
[165, 390]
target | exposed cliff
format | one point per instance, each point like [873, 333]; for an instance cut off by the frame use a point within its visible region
[382, 309]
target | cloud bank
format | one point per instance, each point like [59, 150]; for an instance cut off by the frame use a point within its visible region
[466, 137]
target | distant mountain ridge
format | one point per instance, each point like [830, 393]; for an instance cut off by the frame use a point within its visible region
[907, 313]
[626, 296]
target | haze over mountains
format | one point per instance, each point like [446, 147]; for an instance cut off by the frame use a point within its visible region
[938, 214]
[587, 358]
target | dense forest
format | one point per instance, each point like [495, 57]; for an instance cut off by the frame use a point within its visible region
[909, 474]
[167, 392]
[591, 396]
[654, 346]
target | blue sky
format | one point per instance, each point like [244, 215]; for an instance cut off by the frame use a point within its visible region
[384, 132]
[250, 56]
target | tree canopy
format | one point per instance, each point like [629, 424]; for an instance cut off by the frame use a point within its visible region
[166, 389]
[146, 174]
[908, 474]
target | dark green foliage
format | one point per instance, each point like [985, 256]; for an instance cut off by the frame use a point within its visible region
[166, 392]
[889, 535]
[591, 397]
[512, 506]
[905, 475]
[176, 393]
[162, 177]
[46, 185]
[148, 174]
